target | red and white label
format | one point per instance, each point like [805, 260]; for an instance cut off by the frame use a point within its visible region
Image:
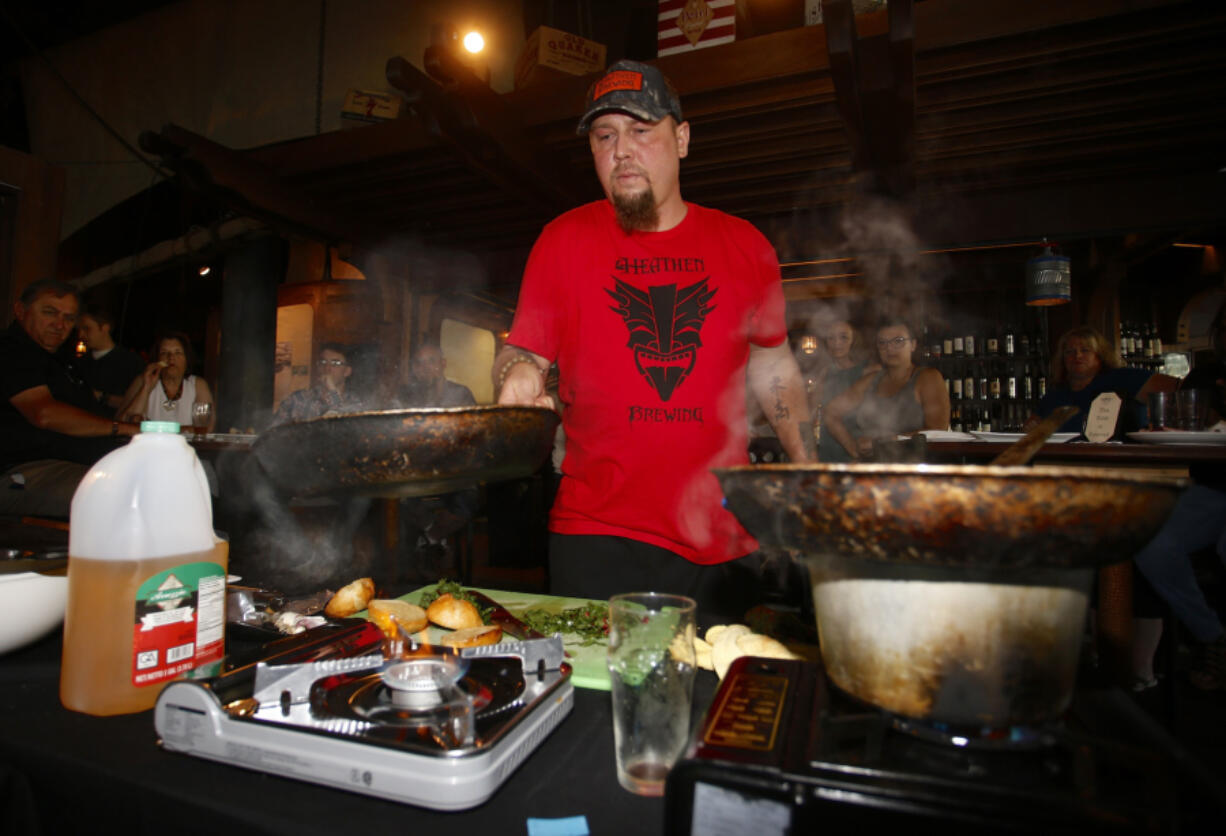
[685, 25]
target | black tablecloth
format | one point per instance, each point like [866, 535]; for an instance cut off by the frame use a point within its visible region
[63, 772]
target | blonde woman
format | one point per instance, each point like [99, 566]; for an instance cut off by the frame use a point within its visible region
[1083, 367]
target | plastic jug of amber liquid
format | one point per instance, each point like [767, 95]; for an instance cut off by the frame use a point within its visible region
[146, 576]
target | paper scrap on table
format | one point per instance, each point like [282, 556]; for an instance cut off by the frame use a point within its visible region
[572, 826]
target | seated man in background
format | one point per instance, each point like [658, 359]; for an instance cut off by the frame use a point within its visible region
[285, 548]
[328, 395]
[1197, 522]
[428, 523]
[108, 368]
[428, 385]
[51, 426]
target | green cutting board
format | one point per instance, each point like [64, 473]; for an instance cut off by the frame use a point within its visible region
[587, 663]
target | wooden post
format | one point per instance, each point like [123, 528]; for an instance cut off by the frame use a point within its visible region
[249, 333]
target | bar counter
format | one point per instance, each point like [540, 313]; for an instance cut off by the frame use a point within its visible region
[1112, 454]
[63, 772]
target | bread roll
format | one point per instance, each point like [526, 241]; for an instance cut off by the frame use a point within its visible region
[702, 654]
[453, 613]
[387, 613]
[351, 598]
[473, 636]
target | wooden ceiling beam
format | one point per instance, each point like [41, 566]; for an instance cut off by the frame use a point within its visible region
[484, 129]
[874, 81]
[234, 178]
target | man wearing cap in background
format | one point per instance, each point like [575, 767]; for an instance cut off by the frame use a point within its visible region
[656, 312]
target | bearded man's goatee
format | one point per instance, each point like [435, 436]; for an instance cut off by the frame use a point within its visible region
[637, 211]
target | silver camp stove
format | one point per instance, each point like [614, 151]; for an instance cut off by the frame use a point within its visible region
[436, 729]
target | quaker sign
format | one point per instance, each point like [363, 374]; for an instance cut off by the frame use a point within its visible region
[558, 50]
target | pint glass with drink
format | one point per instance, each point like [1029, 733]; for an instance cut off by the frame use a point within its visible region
[201, 413]
[651, 669]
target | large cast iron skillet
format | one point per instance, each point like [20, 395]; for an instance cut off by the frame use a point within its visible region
[407, 452]
[951, 515]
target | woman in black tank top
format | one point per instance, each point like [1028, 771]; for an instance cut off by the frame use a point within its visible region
[900, 399]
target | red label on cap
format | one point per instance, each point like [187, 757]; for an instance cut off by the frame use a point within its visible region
[618, 80]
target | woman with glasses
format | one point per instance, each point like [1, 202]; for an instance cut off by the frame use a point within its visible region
[1083, 367]
[840, 375]
[899, 399]
[165, 391]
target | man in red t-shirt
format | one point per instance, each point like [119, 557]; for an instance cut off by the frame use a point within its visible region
[657, 312]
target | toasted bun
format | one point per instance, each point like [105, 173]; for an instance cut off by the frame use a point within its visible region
[453, 613]
[473, 636]
[387, 613]
[351, 598]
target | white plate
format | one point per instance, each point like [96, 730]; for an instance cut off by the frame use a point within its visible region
[1177, 437]
[1009, 438]
[942, 435]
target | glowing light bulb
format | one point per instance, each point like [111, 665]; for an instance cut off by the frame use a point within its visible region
[473, 42]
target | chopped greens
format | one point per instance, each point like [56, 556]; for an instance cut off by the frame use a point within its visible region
[590, 622]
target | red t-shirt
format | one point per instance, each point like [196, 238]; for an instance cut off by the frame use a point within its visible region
[651, 334]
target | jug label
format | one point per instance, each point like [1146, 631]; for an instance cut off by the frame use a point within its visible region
[180, 622]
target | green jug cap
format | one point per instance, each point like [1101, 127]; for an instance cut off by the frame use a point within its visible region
[159, 427]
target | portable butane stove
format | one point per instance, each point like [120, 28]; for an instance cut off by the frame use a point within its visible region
[783, 751]
[436, 729]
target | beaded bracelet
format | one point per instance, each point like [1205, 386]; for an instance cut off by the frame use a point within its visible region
[506, 367]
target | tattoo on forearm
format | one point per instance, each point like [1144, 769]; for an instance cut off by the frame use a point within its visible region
[782, 413]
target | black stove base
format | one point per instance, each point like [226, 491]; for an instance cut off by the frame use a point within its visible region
[781, 751]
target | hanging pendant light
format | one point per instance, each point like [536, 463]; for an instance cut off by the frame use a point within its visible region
[1049, 281]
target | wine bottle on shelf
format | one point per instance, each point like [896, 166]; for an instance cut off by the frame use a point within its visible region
[947, 346]
[993, 344]
[1011, 383]
[1042, 387]
[968, 345]
[968, 382]
[1024, 346]
[1009, 347]
[955, 384]
[1027, 384]
[994, 383]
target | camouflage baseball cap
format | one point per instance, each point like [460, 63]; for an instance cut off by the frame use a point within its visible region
[638, 89]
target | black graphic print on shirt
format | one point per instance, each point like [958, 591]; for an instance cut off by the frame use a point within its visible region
[664, 325]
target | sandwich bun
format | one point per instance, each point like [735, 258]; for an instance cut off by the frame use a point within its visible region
[453, 613]
[388, 613]
[473, 636]
[351, 598]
